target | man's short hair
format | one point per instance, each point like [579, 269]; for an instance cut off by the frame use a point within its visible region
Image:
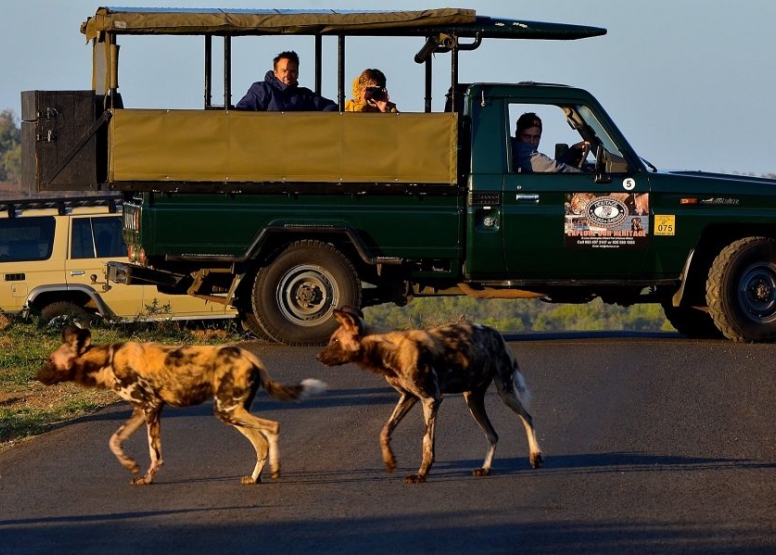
[289, 55]
[526, 121]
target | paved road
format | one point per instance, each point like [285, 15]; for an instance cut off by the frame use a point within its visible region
[653, 445]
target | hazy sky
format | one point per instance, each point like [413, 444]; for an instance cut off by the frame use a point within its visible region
[691, 83]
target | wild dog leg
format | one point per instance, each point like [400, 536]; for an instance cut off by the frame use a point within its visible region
[262, 450]
[240, 417]
[406, 402]
[153, 424]
[122, 434]
[510, 398]
[430, 408]
[475, 400]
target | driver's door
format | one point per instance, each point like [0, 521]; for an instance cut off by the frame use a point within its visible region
[568, 225]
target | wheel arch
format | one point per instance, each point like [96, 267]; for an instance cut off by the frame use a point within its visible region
[272, 241]
[82, 295]
[692, 289]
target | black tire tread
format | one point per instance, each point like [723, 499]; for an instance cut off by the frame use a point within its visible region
[715, 298]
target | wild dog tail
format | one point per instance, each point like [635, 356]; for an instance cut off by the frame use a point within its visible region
[523, 394]
[302, 390]
[521, 389]
[283, 392]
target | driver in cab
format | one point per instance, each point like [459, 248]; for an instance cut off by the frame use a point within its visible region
[526, 157]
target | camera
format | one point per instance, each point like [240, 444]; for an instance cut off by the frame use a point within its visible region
[375, 93]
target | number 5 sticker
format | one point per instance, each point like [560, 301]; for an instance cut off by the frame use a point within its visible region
[665, 225]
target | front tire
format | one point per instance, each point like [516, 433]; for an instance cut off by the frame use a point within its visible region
[295, 296]
[741, 290]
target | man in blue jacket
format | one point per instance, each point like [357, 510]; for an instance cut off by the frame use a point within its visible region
[280, 90]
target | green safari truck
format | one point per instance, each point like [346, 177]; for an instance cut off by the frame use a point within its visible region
[286, 215]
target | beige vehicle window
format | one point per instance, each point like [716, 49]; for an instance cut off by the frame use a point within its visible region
[97, 238]
[26, 239]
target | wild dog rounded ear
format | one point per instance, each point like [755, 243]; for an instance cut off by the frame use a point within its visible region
[78, 338]
[70, 333]
[350, 316]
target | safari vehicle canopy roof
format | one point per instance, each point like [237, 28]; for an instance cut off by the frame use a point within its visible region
[442, 29]
[221, 21]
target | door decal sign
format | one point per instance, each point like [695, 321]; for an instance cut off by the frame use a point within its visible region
[606, 221]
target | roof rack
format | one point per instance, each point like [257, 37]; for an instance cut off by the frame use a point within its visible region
[113, 202]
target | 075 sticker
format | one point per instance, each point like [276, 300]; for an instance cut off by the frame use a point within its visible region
[665, 225]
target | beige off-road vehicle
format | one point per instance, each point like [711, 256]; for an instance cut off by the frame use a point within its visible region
[52, 262]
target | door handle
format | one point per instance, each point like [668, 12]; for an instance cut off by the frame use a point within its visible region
[520, 197]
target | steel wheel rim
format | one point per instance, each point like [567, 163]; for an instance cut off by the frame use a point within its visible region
[306, 294]
[757, 292]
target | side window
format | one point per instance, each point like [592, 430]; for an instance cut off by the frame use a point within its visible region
[97, 237]
[26, 239]
[108, 238]
[82, 245]
[556, 136]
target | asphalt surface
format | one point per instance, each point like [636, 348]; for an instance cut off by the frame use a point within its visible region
[653, 444]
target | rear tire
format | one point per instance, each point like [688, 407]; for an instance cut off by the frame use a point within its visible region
[741, 290]
[295, 296]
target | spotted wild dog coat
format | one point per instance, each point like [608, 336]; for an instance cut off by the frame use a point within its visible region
[150, 375]
[423, 365]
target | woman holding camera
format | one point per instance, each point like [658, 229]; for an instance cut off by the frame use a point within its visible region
[370, 94]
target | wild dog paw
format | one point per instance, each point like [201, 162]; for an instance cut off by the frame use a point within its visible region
[141, 481]
[390, 461]
[537, 461]
[481, 472]
[415, 479]
[249, 481]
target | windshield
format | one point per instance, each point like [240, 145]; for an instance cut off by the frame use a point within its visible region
[600, 132]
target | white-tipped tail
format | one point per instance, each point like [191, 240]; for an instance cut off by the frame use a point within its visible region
[312, 387]
[522, 390]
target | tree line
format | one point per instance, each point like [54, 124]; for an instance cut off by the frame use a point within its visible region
[10, 150]
[520, 315]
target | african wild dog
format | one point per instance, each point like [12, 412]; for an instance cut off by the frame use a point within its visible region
[149, 375]
[423, 365]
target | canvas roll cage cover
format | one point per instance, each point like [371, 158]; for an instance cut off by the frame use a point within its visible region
[442, 29]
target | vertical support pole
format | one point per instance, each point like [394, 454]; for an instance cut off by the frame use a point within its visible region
[454, 78]
[208, 71]
[227, 72]
[318, 62]
[341, 72]
[114, 67]
[428, 84]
